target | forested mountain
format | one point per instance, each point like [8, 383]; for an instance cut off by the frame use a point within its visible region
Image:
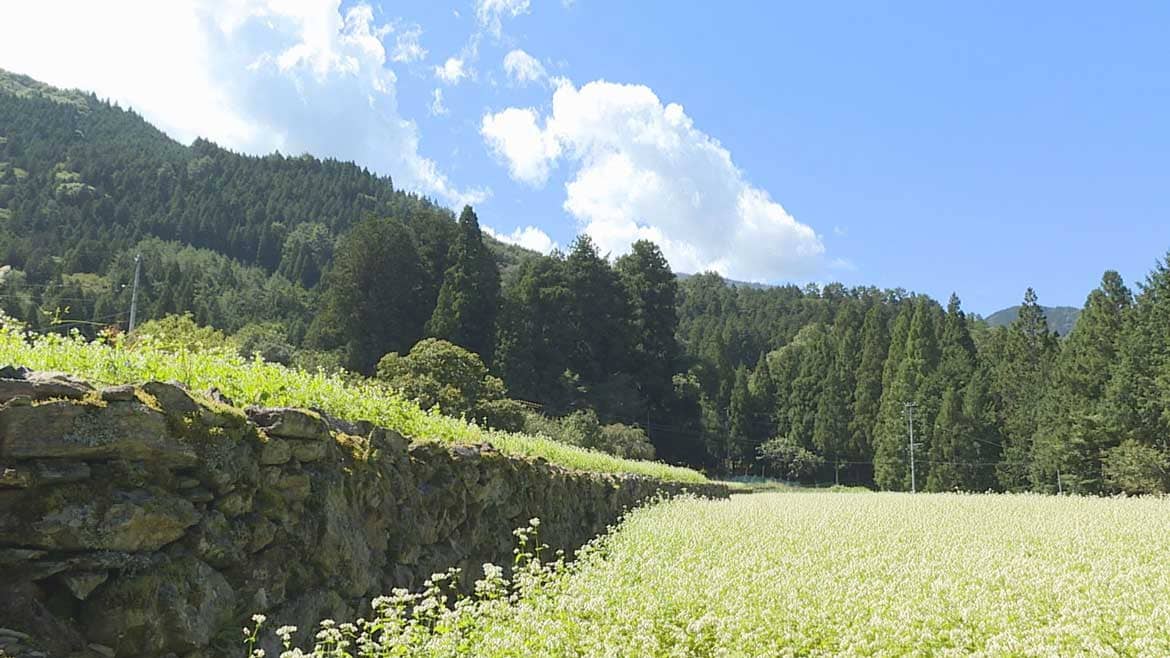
[323, 264]
[1061, 319]
[84, 185]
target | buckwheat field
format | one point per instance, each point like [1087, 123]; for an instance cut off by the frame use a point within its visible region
[818, 574]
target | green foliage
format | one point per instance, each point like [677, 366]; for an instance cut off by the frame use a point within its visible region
[269, 384]
[372, 304]
[266, 339]
[465, 313]
[439, 374]
[1135, 468]
[582, 428]
[176, 333]
[791, 460]
[323, 265]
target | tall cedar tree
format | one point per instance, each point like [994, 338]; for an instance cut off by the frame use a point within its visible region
[535, 339]
[598, 314]
[653, 292]
[1074, 430]
[465, 313]
[1139, 394]
[868, 391]
[1022, 374]
[372, 303]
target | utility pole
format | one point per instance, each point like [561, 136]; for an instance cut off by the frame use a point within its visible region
[913, 479]
[134, 292]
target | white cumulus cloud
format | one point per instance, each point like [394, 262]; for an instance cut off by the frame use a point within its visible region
[529, 237]
[452, 71]
[529, 150]
[642, 170]
[253, 75]
[523, 68]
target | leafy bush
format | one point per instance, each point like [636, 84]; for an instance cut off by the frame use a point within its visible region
[268, 339]
[792, 460]
[174, 333]
[582, 428]
[1134, 468]
[440, 374]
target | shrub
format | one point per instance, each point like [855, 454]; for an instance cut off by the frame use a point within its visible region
[1134, 468]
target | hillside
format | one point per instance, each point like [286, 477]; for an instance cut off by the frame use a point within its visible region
[1061, 319]
[84, 182]
[323, 266]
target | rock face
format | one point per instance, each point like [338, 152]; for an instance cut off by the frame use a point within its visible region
[144, 521]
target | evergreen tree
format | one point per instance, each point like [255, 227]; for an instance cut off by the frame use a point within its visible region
[465, 313]
[912, 383]
[740, 416]
[598, 314]
[1074, 432]
[372, 302]
[653, 291]
[831, 426]
[868, 391]
[957, 357]
[953, 451]
[1138, 396]
[1021, 375]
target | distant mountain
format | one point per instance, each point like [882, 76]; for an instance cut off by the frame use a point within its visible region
[1061, 319]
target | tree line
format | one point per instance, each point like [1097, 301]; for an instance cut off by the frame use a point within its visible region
[323, 264]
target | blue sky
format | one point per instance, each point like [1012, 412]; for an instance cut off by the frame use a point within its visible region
[970, 147]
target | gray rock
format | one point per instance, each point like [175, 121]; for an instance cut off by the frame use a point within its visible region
[124, 521]
[123, 393]
[289, 423]
[177, 607]
[295, 486]
[13, 477]
[172, 396]
[58, 472]
[275, 451]
[42, 385]
[309, 451]
[235, 504]
[125, 430]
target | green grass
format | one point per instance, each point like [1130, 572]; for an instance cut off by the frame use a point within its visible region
[829, 574]
[258, 382]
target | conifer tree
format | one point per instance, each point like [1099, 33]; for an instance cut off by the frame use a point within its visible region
[912, 383]
[1138, 396]
[889, 434]
[1073, 431]
[740, 418]
[831, 426]
[653, 292]
[598, 314]
[868, 391]
[1022, 372]
[372, 304]
[953, 450]
[465, 313]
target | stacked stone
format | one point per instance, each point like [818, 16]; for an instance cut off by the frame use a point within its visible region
[146, 521]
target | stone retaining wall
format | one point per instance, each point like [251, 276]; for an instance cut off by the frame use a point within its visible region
[144, 521]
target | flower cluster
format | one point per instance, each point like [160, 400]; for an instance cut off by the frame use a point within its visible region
[818, 574]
